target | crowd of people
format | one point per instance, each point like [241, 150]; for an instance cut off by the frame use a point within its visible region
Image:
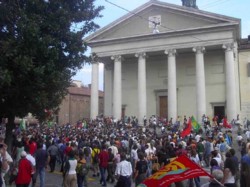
[123, 152]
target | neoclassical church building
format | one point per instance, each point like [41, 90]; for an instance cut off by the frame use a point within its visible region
[168, 60]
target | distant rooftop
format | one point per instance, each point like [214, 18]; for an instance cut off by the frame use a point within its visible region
[83, 91]
[244, 43]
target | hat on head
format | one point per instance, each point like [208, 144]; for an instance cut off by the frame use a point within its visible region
[23, 154]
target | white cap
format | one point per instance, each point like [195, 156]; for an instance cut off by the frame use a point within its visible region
[23, 154]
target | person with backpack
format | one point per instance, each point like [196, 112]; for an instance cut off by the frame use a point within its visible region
[140, 169]
[110, 166]
[95, 160]
[87, 156]
[69, 174]
[81, 169]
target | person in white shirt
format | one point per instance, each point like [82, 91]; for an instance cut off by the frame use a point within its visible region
[70, 178]
[123, 172]
[216, 155]
[248, 134]
[150, 153]
[134, 156]
[197, 137]
[195, 158]
[114, 148]
[239, 139]
[7, 159]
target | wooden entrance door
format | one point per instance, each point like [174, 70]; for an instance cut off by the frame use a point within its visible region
[163, 106]
[220, 112]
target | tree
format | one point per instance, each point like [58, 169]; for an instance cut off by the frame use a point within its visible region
[41, 47]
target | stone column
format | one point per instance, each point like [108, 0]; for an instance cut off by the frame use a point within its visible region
[230, 82]
[117, 90]
[94, 98]
[200, 83]
[108, 88]
[142, 91]
[172, 95]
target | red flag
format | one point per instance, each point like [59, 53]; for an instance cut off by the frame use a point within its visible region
[179, 169]
[187, 130]
[226, 124]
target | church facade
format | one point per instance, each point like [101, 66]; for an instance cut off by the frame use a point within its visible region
[168, 60]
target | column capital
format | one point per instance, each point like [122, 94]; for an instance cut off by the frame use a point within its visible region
[94, 58]
[141, 54]
[117, 58]
[170, 52]
[228, 46]
[199, 49]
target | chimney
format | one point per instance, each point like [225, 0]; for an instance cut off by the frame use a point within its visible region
[189, 3]
[89, 85]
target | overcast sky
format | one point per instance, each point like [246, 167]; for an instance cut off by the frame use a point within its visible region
[233, 8]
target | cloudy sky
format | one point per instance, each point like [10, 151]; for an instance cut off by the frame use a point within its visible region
[233, 8]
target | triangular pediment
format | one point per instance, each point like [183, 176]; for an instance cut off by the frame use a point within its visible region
[173, 18]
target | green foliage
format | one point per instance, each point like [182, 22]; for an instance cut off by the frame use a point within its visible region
[41, 49]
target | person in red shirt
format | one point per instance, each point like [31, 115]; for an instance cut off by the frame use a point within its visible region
[24, 171]
[103, 164]
[68, 149]
[32, 146]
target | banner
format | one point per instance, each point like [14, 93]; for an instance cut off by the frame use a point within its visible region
[179, 169]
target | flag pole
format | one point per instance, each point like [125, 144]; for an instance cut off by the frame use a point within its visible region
[218, 181]
[208, 174]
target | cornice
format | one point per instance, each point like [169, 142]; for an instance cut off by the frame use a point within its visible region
[162, 48]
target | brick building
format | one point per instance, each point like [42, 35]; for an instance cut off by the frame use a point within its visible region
[76, 105]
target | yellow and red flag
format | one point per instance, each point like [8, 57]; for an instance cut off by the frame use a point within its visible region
[180, 169]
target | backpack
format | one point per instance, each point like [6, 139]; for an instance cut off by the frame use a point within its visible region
[88, 161]
[223, 147]
[200, 148]
[81, 169]
[66, 168]
[144, 167]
